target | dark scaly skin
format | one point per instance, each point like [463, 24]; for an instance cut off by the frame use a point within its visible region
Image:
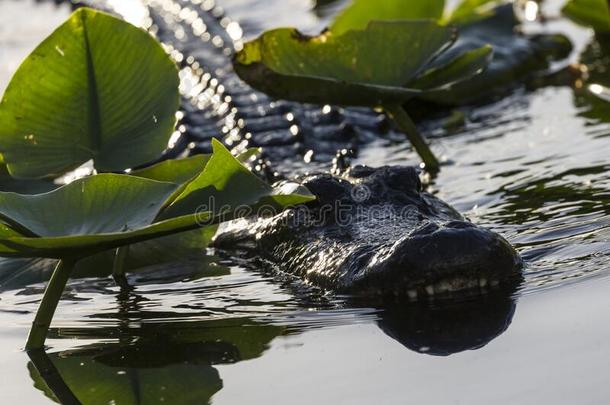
[375, 232]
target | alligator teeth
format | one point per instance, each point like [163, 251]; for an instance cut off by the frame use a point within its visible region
[412, 294]
[430, 290]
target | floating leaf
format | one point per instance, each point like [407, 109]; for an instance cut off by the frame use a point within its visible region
[377, 67]
[226, 185]
[177, 171]
[106, 211]
[70, 101]
[9, 183]
[358, 15]
[469, 11]
[462, 67]
[91, 214]
[355, 68]
[515, 56]
[590, 13]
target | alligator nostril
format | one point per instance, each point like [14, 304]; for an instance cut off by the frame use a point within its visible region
[426, 229]
[459, 225]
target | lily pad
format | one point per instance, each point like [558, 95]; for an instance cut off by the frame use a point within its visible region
[357, 15]
[70, 102]
[515, 57]
[106, 211]
[380, 66]
[469, 11]
[91, 214]
[355, 68]
[590, 13]
[178, 171]
[225, 186]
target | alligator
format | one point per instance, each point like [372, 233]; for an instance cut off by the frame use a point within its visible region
[376, 232]
[397, 238]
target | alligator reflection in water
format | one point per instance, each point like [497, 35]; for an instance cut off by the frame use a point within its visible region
[443, 328]
[176, 360]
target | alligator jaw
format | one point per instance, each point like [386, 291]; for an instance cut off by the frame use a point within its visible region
[457, 258]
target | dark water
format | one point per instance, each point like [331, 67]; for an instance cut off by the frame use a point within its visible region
[533, 166]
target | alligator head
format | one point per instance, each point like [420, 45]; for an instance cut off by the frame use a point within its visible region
[376, 232]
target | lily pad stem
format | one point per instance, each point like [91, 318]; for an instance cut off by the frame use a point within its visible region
[48, 305]
[406, 125]
[118, 268]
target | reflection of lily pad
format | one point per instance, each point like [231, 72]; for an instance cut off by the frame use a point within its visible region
[93, 383]
[70, 101]
[171, 363]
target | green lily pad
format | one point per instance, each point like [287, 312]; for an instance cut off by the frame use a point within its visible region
[355, 68]
[360, 12]
[225, 185]
[515, 57]
[590, 13]
[91, 214]
[105, 203]
[358, 15]
[9, 183]
[469, 11]
[107, 211]
[177, 171]
[70, 102]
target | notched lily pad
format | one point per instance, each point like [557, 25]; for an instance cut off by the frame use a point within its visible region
[379, 65]
[70, 102]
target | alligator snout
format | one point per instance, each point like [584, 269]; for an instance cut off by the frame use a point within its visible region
[441, 259]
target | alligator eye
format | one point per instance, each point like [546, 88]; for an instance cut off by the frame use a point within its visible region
[361, 171]
[404, 179]
[326, 188]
